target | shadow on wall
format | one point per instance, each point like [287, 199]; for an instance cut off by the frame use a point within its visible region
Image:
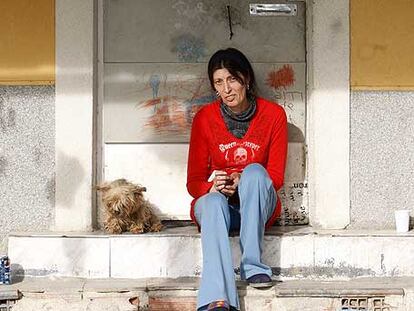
[73, 173]
[295, 134]
[17, 273]
[49, 189]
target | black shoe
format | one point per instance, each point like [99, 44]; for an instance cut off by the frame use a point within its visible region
[260, 281]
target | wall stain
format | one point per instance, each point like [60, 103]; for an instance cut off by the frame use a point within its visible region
[189, 49]
[3, 165]
[383, 269]
[196, 15]
[11, 117]
[49, 190]
[7, 118]
[3, 121]
[336, 26]
[38, 153]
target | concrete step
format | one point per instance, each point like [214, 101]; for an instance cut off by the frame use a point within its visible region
[292, 252]
[158, 294]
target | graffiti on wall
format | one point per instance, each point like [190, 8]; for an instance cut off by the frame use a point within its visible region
[172, 113]
[173, 99]
[156, 103]
[286, 86]
[294, 204]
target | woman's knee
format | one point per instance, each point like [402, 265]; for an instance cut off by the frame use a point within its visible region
[210, 203]
[254, 171]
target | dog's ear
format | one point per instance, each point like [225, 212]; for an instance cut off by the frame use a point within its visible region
[139, 189]
[103, 187]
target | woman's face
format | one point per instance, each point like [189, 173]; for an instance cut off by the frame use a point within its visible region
[231, 91]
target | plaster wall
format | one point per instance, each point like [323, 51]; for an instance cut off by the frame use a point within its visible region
[381, 157]
[27, 154]
[328, 113]
[75, 96]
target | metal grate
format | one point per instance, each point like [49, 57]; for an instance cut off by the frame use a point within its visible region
[354, 304]
[364, 304]
[378, 304]
[6, 305]
[8, 298]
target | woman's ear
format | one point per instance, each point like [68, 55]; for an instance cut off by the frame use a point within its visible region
[247, 82]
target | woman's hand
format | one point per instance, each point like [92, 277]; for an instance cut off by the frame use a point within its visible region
[221, 179]
[224, 183]
[232, 184]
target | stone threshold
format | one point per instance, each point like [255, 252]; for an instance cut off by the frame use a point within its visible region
[187, 230]
[292, 288]
[180, 294]
[299, 252]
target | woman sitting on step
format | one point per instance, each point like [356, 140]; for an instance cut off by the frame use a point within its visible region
[236, 163]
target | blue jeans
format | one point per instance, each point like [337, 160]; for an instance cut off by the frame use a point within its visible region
[217, 215]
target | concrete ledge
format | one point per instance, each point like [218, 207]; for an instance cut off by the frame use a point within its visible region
[292, 252]
[292, 288]
[180, 294]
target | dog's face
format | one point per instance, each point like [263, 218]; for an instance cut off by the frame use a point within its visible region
[121, 198]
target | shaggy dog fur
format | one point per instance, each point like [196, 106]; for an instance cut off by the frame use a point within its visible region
[126, 209]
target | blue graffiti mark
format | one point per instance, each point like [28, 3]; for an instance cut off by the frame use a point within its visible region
[189, 48]
[155, 85]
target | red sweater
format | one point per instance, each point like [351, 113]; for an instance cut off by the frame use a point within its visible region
[213, 147]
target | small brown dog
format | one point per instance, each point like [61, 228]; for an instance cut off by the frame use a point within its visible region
[126, 209]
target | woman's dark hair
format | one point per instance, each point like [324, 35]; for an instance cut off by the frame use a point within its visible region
[236, 63]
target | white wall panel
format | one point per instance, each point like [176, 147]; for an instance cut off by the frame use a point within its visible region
[162, 168]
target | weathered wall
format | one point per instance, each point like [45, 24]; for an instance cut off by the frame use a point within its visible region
[154, 83]
[27, 155]
[382, 116]
[382, 157]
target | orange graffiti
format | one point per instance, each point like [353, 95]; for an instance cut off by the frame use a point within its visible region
[283, 77]
[172, 115]
[169, 115]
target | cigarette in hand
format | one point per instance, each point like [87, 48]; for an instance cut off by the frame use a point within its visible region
[212, 176]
